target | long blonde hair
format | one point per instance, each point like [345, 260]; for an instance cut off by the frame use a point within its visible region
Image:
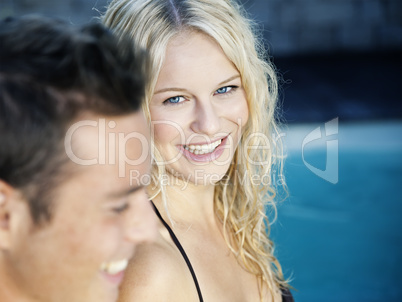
[243, 195]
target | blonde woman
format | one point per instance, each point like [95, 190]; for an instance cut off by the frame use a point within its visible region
[211, 102]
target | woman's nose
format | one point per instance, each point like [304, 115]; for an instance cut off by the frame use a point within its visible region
[206, 118]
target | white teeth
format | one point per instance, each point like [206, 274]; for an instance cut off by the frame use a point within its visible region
[115, 267]
[203, 149]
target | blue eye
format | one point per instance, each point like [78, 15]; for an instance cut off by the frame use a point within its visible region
[174, 100]
[225, 89]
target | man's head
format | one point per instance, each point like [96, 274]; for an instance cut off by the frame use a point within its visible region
[67, 226]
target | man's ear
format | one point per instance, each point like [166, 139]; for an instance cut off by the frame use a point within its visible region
[10, 207]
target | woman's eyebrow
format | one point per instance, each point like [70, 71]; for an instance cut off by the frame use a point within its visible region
[230, 79]
[185, 90]
[170, 89]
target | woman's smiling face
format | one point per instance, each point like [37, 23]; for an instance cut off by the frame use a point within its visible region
[198, 109]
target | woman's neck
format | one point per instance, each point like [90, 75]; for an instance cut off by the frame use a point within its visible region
[188, 203]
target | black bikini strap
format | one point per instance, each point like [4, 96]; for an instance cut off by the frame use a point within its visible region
[183, 253]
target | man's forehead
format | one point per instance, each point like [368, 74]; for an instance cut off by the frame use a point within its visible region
[93, 134]
[115, 145]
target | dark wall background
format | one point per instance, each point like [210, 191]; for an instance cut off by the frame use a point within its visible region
[336, 57]
[305, 26]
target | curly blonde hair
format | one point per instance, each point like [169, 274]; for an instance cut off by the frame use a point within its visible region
[241, 196]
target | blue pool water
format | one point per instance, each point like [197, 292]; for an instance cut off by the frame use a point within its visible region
[343, 241]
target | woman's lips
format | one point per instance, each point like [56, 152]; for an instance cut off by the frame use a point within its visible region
[206, 157]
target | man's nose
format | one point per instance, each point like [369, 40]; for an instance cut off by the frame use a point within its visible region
[141, 222]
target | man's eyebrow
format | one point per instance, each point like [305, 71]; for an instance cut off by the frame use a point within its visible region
[125, 192]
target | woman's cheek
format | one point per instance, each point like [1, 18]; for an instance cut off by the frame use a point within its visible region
[241, 112]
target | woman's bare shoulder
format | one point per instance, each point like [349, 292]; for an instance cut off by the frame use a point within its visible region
[155, 273]
[147, 271]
